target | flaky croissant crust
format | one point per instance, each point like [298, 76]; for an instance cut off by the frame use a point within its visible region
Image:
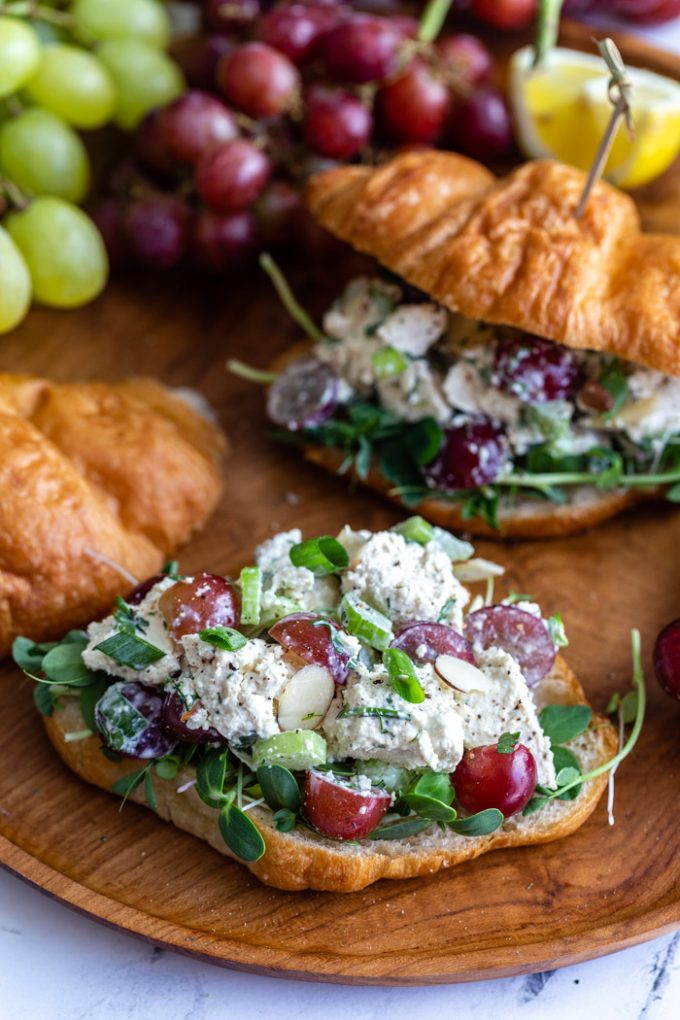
[126, 471]
[510, 250]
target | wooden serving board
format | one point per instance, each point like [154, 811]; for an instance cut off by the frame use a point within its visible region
[509, 912]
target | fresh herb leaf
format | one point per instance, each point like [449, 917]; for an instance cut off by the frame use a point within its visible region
[535, 804]
[149, 791]
[128, 784]
[564, 759]
[211, 772]
[129, 650]
[64, 664]
[371, 710]
[279, 787]
[613, 704]
[614, 379]
[401, 830]
[567, 775]
[240, 833]
[673, 493]
[225, 638]
[429, 807]
[480, 824]
[507, 742]
[43, 699]
[167, 767]
[403, 676]
[434, 784]
[284, 820]
[29, 655]
[89, 696]
[629, 704]
[127, 619]
[564, 722]
[482, 503]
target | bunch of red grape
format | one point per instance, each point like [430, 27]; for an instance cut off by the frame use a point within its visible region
[276, 92]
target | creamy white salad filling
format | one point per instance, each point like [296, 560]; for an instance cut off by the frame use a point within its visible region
[240, 693]
[420, 360]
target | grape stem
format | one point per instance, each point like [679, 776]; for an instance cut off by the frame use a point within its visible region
[244, 371]
[15, 197]
[31, 9]
[639, 687]
[432, 20]
[547, 29]
[288, 299]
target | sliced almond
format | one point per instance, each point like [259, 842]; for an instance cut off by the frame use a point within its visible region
[461, 675]
[306, 699]
[477, 570]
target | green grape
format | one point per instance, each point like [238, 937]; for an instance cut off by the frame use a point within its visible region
[145, 78]
[63, 250]
[19, 54]
[99, 20]
[75, 85]
[44, 156]
[15, 284]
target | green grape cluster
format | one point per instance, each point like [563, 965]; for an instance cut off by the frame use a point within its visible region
[67, 66]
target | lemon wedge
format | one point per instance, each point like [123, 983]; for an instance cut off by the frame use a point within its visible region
[561, 111]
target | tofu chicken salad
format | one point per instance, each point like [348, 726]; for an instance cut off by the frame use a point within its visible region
[482, 415]
[351, 684]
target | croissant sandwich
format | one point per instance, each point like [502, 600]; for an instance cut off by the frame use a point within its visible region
[99, 483]
[510, 366]
[340, 711]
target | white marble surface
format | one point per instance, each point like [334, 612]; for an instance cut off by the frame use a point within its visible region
[57, 965]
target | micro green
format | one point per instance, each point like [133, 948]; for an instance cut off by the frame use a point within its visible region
[507, 742]
[240, 833]
[564, 722]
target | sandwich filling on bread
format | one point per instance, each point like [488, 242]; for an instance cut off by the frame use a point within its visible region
[349, 686]
[487, 416]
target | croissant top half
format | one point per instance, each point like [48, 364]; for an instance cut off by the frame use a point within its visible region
[510, 250]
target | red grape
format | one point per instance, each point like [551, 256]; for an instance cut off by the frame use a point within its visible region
[151, 742]
[108, 215]
[535, 370]
[415, 106]
[231, 177]
[504, 13]
[223, 240]
[481, 126]
[645, 10]
[277, 210]
[175, 715]
[361, 49]
[198, 57]
[473, 454]
[337, 125]
[309, 637]
[194, 124]
[667, 659]
[341, 812]
[258, 80]
[157, 230]
[423, 641]
[485, 778]
[303, 396]
[151, 148]
[141, 590]
[522, 635]
[296, 30]
[226, 15]
[465, 58]
[207, 600]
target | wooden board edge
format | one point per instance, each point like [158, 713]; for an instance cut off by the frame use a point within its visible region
[490, 964]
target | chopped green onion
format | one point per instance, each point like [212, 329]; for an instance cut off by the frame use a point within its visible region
[388, 362]
[455, 548]
[323, 555]
[366, 623]
[244, 371]
[372, 711]
[403, 676]
[415, 529]
[225, 638]
[130, 650]
[251, 595]
[288, 300]
[74, 735]
[557, 632]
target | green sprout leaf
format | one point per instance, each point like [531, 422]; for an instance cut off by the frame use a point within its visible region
[564, 722]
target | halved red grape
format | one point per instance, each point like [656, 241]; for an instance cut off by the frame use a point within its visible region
[667, 659]
[485, 778]
[175, 715]
[304, 395]
[231, 177]
[296, 30]
[157, 230]
[523, 636]
[207, 600]
[423, 641]
[415, 106]
[472, 454]
[361, 49]
[223, 240]
[465, 58]
[480, 125]
[340, 812]
[141, 590]
[117, 716]
[258, 80]
[337, 124]
[195, 124]
[505, 13]
[534, 369]
[309, 636]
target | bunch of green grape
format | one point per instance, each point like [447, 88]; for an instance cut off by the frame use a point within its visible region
[67, 67]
